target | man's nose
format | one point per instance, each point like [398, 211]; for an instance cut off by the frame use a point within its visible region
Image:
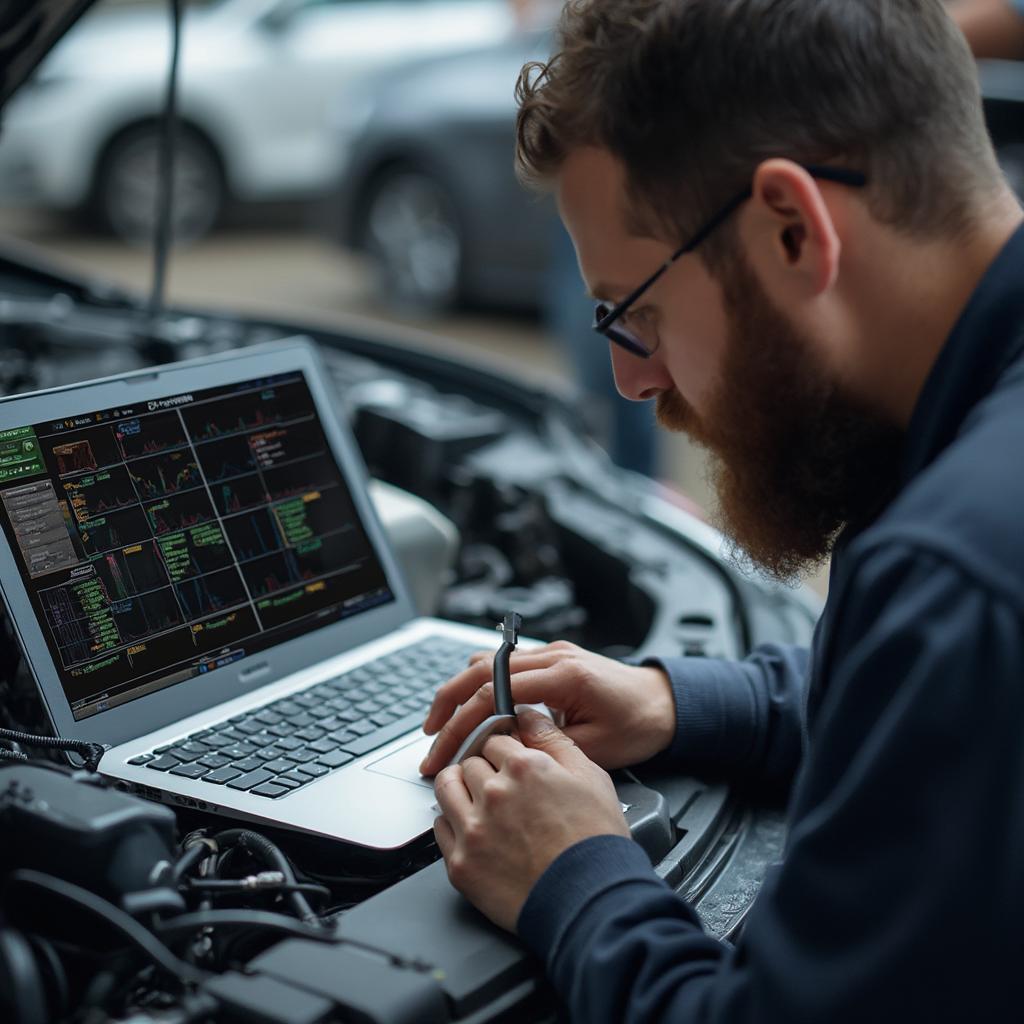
[638, 379]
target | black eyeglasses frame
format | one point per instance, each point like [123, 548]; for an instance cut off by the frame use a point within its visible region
[605, 324]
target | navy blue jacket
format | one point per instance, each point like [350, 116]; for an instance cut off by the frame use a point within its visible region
[901, 896]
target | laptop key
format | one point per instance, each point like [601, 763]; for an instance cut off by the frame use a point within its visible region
[221, 775]
[217, 741]
[295, 776]
[323, 746]
[141, 759]
[214, 760]
[190, 771]
[163, 763]
[312, 732]
[288, 743]
[280, 765]
[384, 718]
[238, 750]
[269, 789]
[189, 751]
[335, 759]
[364, 744]
[250, 779]
[286, 780]
[232, 736]
[249, 764]
[361, 728]
[301, 756]
[314, 771]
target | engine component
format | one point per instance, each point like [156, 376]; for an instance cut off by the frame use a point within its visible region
[82, 831]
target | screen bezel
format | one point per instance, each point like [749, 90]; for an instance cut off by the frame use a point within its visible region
[161, 708]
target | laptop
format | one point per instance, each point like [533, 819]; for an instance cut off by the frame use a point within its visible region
[199, 582]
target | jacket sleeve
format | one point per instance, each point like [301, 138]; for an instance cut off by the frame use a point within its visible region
[900, 894]
[739, 719]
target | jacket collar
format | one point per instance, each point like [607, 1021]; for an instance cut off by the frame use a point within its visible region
[988, 336]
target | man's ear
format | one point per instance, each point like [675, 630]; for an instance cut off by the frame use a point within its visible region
[792, 228]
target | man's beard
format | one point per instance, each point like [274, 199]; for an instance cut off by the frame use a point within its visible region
[795, 457]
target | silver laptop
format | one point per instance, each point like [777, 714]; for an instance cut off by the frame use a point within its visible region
[200, 583]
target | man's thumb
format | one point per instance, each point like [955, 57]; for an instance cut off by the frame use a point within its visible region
[538, 731]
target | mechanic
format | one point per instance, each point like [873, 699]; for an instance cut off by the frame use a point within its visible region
[844, 333]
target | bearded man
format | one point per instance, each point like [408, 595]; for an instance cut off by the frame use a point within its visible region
[804, 252]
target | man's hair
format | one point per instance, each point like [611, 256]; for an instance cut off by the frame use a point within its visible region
[691, 95]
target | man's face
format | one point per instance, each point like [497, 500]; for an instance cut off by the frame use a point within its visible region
[794, 454]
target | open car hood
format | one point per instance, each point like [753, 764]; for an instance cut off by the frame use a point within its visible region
[29, 29]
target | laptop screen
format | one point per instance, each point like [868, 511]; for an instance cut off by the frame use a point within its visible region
[161, 541]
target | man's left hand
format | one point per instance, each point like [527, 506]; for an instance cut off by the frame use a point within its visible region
[507, 815]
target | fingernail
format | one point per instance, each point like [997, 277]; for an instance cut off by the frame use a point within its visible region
[427, 759]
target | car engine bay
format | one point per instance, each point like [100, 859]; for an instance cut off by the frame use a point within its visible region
[540, 521]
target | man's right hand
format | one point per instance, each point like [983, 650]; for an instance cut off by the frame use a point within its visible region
[617, 714]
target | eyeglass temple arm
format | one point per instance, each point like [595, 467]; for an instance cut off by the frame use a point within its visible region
[840, 175]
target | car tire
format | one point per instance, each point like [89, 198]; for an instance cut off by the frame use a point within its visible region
[125, 189]
[411, 231]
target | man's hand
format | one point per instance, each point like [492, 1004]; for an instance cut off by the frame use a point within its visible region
[507, 815]
[617, 714]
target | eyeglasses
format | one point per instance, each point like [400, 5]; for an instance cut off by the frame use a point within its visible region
[643, 340]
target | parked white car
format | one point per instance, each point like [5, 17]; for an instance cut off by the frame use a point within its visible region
[256, 80]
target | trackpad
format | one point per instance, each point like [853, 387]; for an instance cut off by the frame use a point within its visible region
[404, 764]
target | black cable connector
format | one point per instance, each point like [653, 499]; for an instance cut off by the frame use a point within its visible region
[261, 847]
[90, 752]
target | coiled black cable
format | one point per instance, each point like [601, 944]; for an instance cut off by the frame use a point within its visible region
[90, 752]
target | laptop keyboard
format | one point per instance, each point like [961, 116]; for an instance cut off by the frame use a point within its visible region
[275, 749]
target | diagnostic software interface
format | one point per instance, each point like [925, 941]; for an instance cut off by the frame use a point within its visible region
[164, 540]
